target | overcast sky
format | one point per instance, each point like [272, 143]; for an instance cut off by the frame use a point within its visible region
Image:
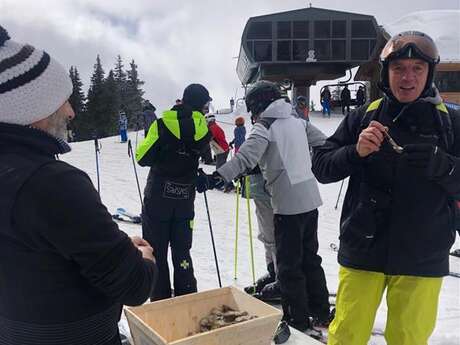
[173, 42]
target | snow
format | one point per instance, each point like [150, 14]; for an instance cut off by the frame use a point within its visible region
[442, 25]
[118, 189]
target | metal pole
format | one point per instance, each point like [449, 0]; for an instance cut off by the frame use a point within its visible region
[130, 153]
[236, 226]
[338, 196]
[212, 239]
[247, 186]
[97, 150]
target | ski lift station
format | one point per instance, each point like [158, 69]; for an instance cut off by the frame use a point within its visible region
[300, 47]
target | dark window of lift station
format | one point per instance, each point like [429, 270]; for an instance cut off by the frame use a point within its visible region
[362, 29]
[284, 51]
[260, 30]
[284, 30]
[359, 49]
[339, 29]
[262, 50]
[300, 29]
[338, 50]
[322, 49]
[299, 50]
[322, 29]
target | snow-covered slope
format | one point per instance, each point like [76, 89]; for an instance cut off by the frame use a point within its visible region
[118, 189]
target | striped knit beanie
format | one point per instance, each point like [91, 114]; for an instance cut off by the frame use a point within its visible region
[32, 84]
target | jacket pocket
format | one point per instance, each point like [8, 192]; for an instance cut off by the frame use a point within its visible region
[360, 229]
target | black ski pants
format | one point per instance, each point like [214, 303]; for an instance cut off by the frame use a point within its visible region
[167, 221]
[302, 280]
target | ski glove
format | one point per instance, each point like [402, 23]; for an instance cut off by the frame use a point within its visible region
[205, 181]
[428, 159]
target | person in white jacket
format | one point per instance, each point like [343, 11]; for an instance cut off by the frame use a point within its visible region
[278, 143]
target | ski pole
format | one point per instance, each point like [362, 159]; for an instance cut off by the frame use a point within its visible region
[137, 130]
[130, 153]
[338, 196]
[97, 149]
[247, 188]
[236, 226]
[212, 238]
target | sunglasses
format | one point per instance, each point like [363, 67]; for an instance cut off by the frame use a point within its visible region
[394, 145]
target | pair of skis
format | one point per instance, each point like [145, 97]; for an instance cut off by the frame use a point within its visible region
[125, 216]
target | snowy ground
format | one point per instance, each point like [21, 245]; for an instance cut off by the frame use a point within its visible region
[118, 189]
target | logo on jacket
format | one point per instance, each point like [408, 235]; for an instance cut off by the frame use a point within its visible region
[174, 190]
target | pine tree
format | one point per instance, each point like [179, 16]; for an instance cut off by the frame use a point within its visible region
[119, 73]
[121, 80]
[77, 101]
[95, 105]
[111, 102]
[134, 93]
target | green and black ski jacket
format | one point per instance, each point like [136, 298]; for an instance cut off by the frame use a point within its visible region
[174, 144]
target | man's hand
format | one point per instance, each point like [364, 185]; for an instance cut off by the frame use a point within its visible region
[370, 139]
[430, 160]
[205, 182]
[147, 253]
[139, 242]
[144, 247]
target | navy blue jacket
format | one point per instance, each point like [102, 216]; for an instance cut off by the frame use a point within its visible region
[240, 136]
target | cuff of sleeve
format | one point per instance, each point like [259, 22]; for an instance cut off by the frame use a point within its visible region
[353, 156]
[225, 173]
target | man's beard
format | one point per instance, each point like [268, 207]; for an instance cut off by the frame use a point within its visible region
[58, 126]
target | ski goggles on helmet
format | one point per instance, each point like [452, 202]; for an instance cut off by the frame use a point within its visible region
[412, 45]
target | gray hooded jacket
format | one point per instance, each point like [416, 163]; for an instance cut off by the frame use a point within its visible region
[282, 152]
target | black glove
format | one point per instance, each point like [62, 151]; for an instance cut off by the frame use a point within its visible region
[205, 181]
[430, 160]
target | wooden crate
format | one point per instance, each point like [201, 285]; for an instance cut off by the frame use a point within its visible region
[171, 321]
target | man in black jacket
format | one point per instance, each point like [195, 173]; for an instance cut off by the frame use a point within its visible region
[172, 148]
[345, 98]
[397, 226]
[65, 267]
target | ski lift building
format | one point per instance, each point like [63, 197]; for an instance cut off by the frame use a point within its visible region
[303, 46]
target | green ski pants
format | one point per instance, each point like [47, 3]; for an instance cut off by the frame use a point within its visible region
[412, 307]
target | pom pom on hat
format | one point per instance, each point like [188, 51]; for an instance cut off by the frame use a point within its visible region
[32, 84]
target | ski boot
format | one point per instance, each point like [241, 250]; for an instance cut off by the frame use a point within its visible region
[270, 293]
[124, 340]
[307, 328]
[282, 333]
[323, 322]
[262, 281]
[229, 187]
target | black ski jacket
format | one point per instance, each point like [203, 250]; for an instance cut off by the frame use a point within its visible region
[394, 220]
[65, 268]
